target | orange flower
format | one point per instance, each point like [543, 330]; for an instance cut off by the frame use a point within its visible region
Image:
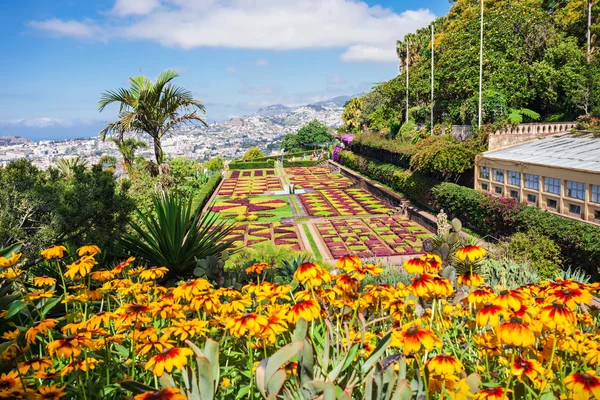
[530, 368]
[583, 386]
[480, 296]
[53, 392]
[558, 316]
[510, 299]
[121, 266]
[257, 268]
[444, 364]
[469, 279]
[154, 273]
[416, 266]
[347, 261]
[165, 394]
[69, 346]
[307, 309]
[88, 250]
[471, 252]
[412, 338]
[250, 323]
[168, 359]
[54, 252]
[43, 281]
[36, 363]
[39, 327]
[10, 261]
[515, 333]
[434, 261]
[570, 296]
[312, 275]
[491, 394]
[346, 282]
[490, 313]
[359, 271]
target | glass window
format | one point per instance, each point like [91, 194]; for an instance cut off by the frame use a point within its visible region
[531, 198]
[574, 209]
[514, 178]
[596, 193]
[499, 175]
[484, 186]
[576, 190]
[597, 214]
[552, 185]
[532, 181]
[484, 172]
[498, 189]
[514, 194]
[552, 204]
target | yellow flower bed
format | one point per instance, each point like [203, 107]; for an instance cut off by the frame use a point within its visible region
[91, 327]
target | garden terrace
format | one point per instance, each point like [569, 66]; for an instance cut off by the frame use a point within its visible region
[285, 235]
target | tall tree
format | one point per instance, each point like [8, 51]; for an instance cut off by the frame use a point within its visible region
[127, 148]
[155, 108]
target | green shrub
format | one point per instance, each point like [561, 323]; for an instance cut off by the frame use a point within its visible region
[203, 195]
[252, 153]
[579, 242]
[413, 185]
[252, 164]
[301, 163]
[507, 273]
[535, 250]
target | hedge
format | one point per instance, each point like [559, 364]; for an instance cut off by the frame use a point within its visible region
[285, 156]
[252, 164]
[203, 195]
[579, 241]
[301, 163]
[412, 185]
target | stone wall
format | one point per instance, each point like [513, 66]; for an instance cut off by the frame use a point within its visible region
[522, 133]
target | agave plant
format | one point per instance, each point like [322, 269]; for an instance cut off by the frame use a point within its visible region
[175, 236]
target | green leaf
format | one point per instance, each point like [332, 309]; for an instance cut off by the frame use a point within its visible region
[377, 353]
[281, 357]
[276, 382]
[14, 309]
[8, 251]
[51, 305]
[206, 380]
[137, 387]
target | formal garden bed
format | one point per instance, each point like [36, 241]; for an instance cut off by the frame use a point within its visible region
[337, 202]
[251, 186]
[321, 181]
[372, 237]
[279, 234]
[307, 171]
[252, 173]
[261, 208]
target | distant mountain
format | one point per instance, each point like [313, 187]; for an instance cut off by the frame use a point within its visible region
[272, 110]
[338, 101]
[13, 140]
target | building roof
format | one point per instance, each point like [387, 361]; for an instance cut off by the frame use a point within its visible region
[561, 151]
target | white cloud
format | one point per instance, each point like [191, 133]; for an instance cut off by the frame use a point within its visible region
[135, 7]
[262, 63]
[85, 29]
[366, 33]
[46, 122]
[362, 52]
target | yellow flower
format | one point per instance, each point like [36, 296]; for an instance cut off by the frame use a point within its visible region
[252, 324]
[168, 359]
[307, 309]
[43, 281]
[83, 266]
[36, 363]
[10, 261]
[54, 252]
[88, 250]
[471, 252]
[11, 335]
[444, 364]
[39, 327]
[583, 386]
[312, 275]
[188, 328]
[154, 273]
[102, 275]
[40, 294]
[257, 268]
[165, 394]
[53, 392]
[413, 337]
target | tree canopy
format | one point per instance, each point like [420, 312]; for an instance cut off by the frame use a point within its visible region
[312, 134]
[535, 64]
[252, 153]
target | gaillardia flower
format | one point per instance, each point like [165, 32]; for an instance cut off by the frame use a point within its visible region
[168, 359]
[54, 252]
[583, 386]
[471, 252]
[312, 275]
[165, 394]
[444, 364]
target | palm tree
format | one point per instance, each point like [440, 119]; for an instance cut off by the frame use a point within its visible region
[154, 108]
[67, 165]
[127, 148]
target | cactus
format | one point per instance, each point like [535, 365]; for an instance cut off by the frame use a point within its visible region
[507, 274]
[211, 267]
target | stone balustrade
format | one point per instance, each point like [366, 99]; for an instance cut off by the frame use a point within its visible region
[512, 135]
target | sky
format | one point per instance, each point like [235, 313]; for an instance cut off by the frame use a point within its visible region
[58, 56]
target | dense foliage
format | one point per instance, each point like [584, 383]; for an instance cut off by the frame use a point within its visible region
[535, 65]
[38, 208]
[577, 240]
[252, 164]
[310, 136]
[252, 153]
[535, 251]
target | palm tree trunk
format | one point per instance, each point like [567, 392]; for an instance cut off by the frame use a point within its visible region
[158, 153]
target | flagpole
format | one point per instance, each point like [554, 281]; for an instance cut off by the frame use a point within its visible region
[432, 72]
[480, 65]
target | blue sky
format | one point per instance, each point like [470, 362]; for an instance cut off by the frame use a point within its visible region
[235, 55]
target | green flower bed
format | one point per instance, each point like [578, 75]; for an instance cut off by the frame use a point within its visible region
[252, 164]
